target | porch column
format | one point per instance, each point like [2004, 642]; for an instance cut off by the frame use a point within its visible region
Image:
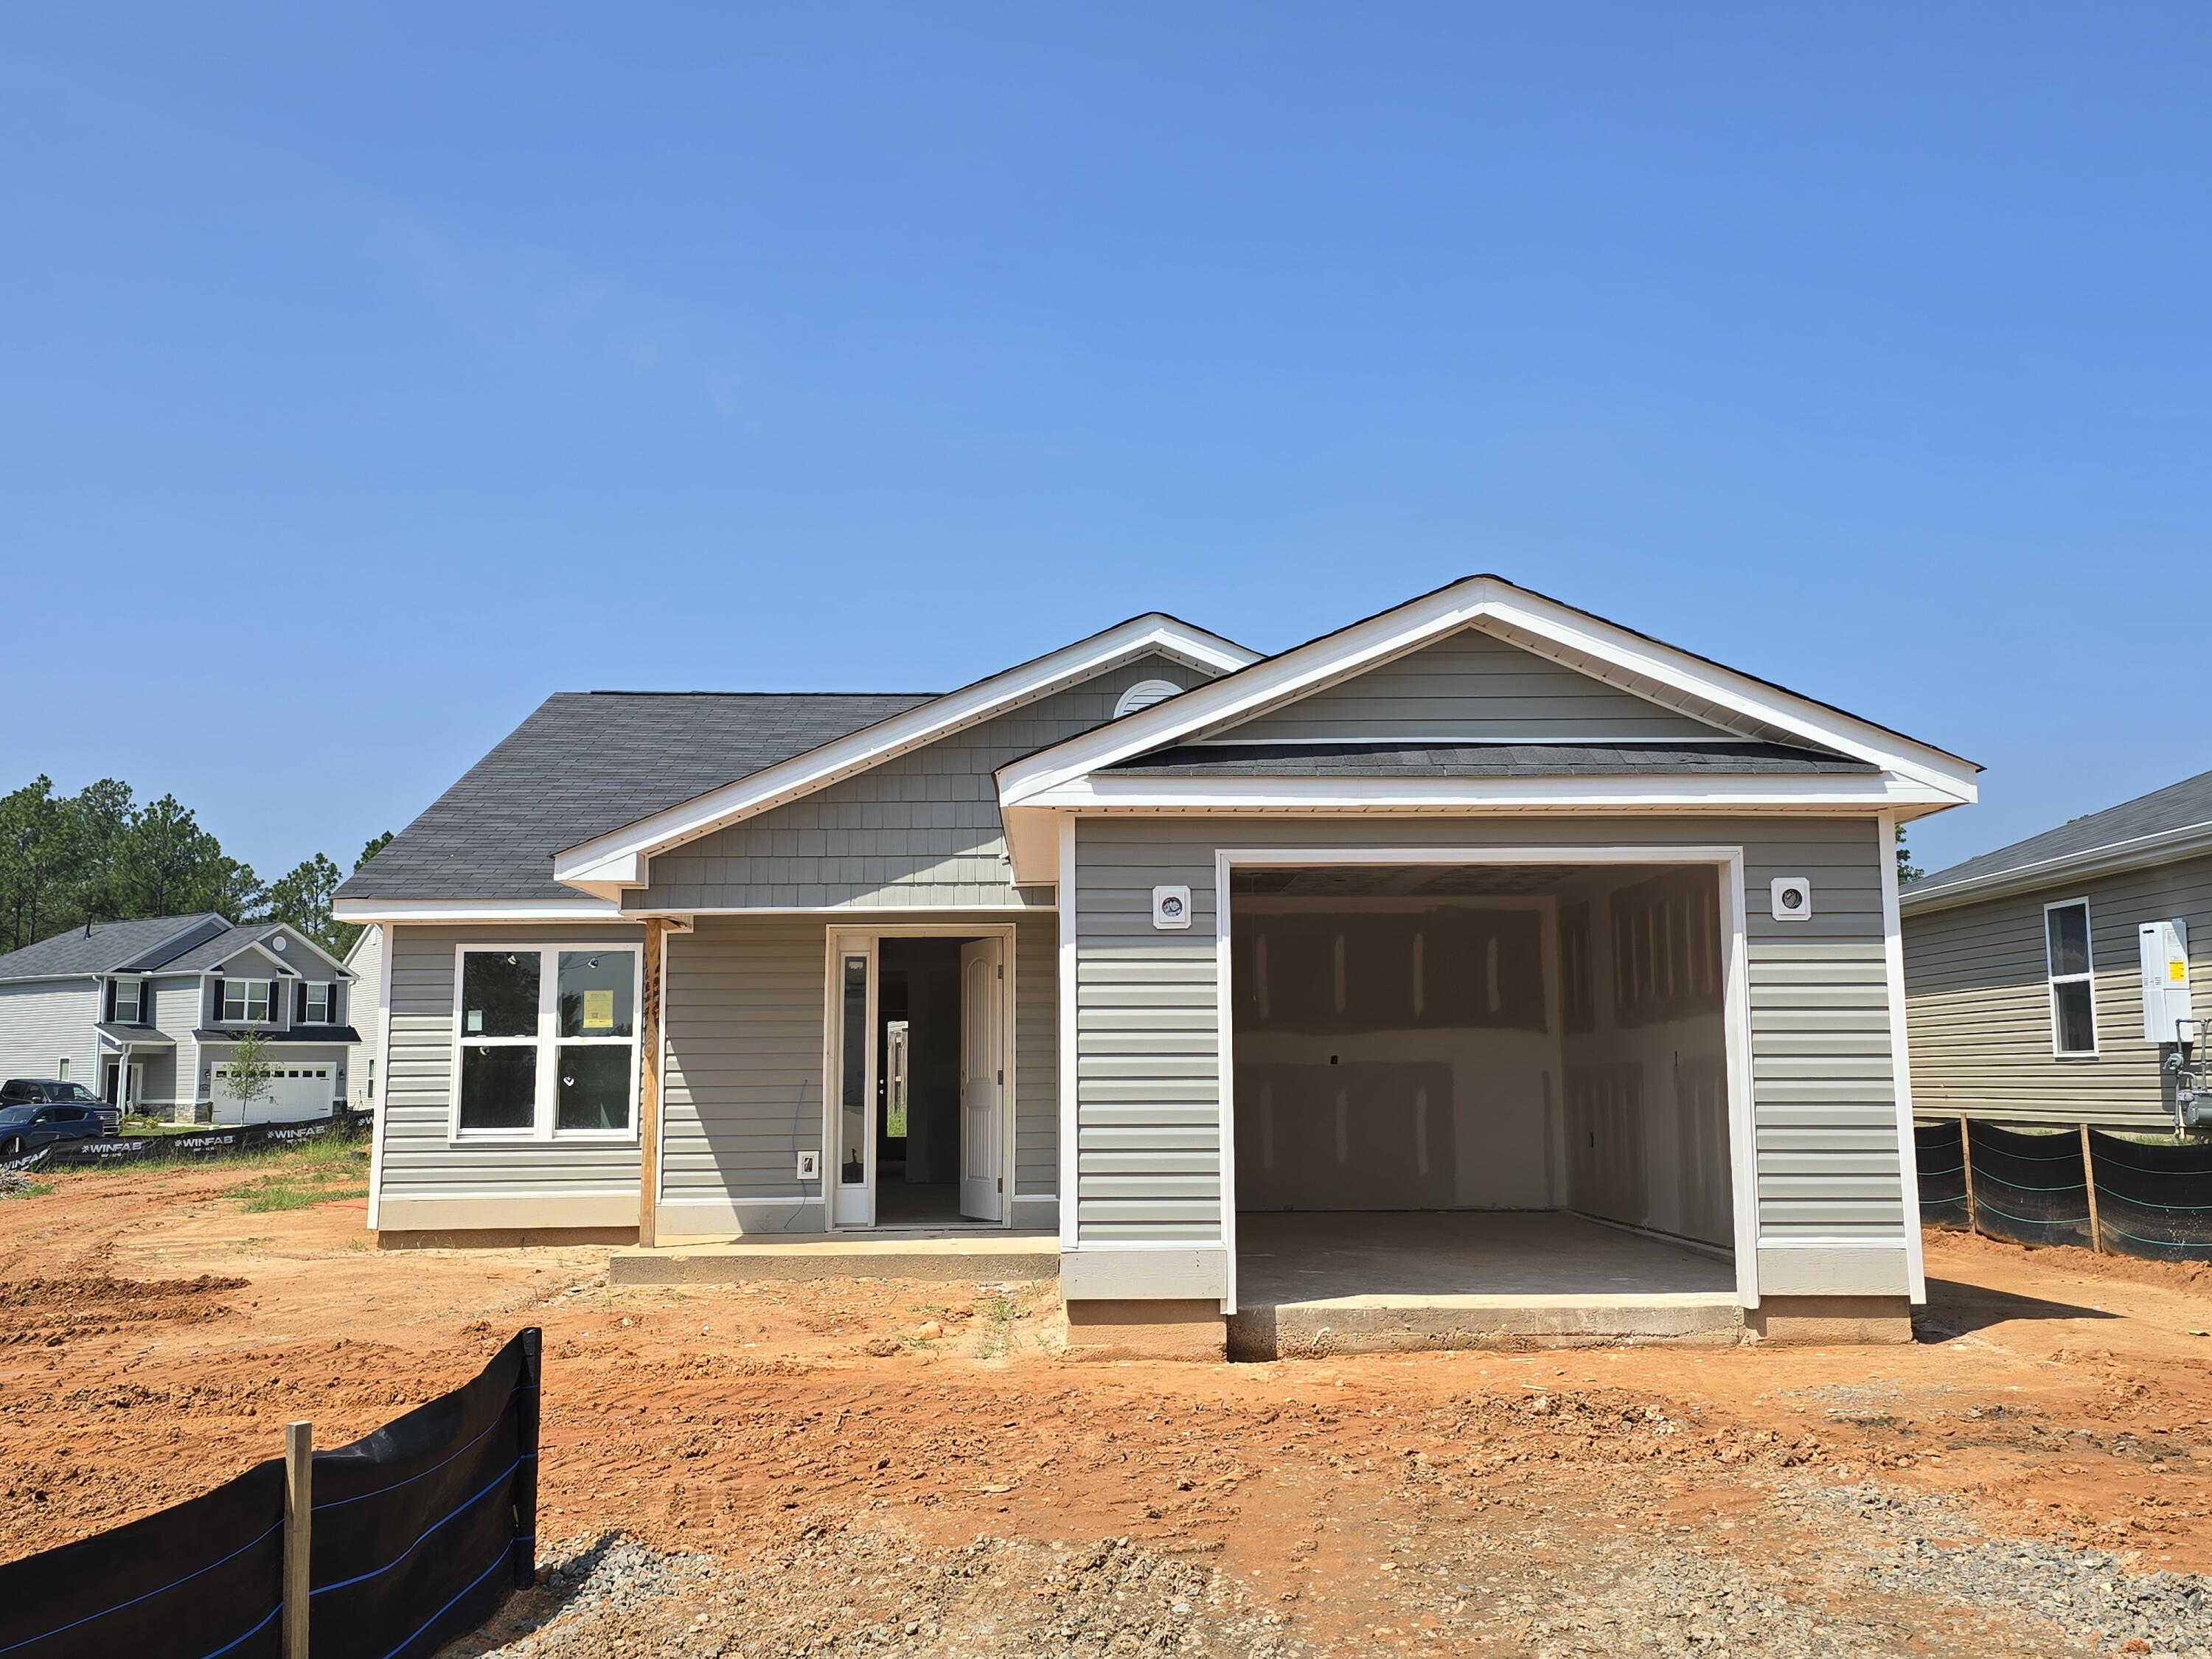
[648, 1085]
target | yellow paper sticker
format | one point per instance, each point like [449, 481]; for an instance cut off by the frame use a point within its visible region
[2176, 970]
[598, 1011]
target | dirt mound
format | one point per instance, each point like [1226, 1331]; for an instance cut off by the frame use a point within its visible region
[50, 1312]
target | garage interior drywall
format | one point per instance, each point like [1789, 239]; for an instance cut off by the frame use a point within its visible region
[1482, 1037]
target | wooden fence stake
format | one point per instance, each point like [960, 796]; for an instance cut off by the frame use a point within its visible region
[1966, 1162]
[2089, 1181]
[299, 1511]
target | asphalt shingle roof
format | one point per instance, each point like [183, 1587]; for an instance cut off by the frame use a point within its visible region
[588, 761]
[1478, 760]
[212, 953]
[109, 946]
[2178, 807]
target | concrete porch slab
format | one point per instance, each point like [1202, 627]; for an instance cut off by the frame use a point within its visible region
[1310, 1285]
[967, 1257]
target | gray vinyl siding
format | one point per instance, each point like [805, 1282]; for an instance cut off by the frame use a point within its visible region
[921, 831]
[1470, 688]
[420, 1159]
[742, 1087]
[1148, 1078]
[177, 1014]
[1978, 1001]
[43, 1021]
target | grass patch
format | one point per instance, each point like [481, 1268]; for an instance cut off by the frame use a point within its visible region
[321, 1172]
[999, 1310]
[29, 1190]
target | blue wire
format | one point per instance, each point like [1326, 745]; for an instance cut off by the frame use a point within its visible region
[498, 1561]
[148, 1594]
[249, 1635]
[340, 1502]
[459, 1508]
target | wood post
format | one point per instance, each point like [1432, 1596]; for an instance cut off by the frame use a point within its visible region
[648, 1086]
[2089, 1183]
[299, 1513]
[1967, 1162]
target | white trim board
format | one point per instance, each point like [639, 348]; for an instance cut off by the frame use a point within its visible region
[605, 865]
[1645, 667]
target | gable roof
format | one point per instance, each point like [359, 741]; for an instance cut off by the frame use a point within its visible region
[107, 947]
[1730, 700]
[587, 762]
[605, 865]
[2169, 823]
[213, 953]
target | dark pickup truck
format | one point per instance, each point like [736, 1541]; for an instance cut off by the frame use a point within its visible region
[27, 1128]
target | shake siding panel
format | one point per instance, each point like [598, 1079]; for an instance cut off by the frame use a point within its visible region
[1471, 688]
[919, 832]
[1148, 1076]
[1978, 1002]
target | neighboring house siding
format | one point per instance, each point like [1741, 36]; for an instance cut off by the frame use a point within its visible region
[1979, 1003]
[921, 831]
[1470, 688]
[1148, 1092]
[742, 1086]
[44, 1021]
[429, 1180]
[177, 1014]
[362, 1011]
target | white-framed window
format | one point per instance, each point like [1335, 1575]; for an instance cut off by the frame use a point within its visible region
[61, 1070]
[545, 1041]
[318, 1004]
[127, 1001]
[2070, 965]
[246, 1001]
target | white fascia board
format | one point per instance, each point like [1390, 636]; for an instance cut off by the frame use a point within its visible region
[1686, 792]
[1308, 668]
[2186, 841]
[619, 859]
[437, 910]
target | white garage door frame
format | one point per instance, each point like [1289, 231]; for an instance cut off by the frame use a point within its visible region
[1743, 1161]
[284, 1102]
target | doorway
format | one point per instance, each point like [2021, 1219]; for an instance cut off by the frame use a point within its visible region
[919, 1056]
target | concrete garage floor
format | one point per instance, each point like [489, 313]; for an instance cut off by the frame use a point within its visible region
[1387, 1282]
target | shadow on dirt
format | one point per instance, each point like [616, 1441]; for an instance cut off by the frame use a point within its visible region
[1954, 1310]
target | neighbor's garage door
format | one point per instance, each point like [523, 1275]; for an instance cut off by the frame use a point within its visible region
[295, 1091]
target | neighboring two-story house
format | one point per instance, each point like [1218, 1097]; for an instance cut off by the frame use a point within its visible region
[1483, 944]
[145, 1012]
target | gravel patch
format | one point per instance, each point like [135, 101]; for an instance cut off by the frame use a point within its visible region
[840, 1595]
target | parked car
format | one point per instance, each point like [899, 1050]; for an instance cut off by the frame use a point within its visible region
[33, 1090]
[27, 1128]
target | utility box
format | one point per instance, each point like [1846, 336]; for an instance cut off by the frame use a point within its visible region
[2165, 947]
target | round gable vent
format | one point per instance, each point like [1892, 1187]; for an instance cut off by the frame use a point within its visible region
[1143, 694]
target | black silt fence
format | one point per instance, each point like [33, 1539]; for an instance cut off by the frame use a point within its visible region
[1939, 1151]
[130, 1151]
[2029, 1188]
[2154, 1200]
[417, 1533]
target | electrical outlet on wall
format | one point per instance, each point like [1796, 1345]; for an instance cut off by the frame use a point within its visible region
[810, 1166]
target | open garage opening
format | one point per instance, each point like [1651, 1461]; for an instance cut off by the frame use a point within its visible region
[1478, 1101]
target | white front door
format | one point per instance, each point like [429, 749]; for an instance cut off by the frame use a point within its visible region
[982, 1078]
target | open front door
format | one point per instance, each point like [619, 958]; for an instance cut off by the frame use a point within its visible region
[982, 1078]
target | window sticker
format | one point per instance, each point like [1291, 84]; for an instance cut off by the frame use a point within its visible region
[476, 1019]
[598, 1011]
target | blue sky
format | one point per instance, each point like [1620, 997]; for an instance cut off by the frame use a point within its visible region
[370, 374]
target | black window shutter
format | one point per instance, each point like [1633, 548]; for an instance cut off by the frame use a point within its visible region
[216, 1018]
[299, 1004]
[110, 1013]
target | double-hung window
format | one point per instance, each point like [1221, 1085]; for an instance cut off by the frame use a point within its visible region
[246, 1001]
[317, 1005]
[2071, 969]
[547, 1043]
[126, 1001]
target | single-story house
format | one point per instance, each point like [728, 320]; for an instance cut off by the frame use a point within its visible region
[1483, 946]
[2045, 981]
[145, 1012]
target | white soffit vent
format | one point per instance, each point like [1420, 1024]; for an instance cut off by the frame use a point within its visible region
[1144, 693]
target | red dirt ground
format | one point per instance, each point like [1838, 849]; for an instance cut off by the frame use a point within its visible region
[155, 1337]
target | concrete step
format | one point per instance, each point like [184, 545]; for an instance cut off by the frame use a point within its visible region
[1393, 1324]
[972, 1258]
